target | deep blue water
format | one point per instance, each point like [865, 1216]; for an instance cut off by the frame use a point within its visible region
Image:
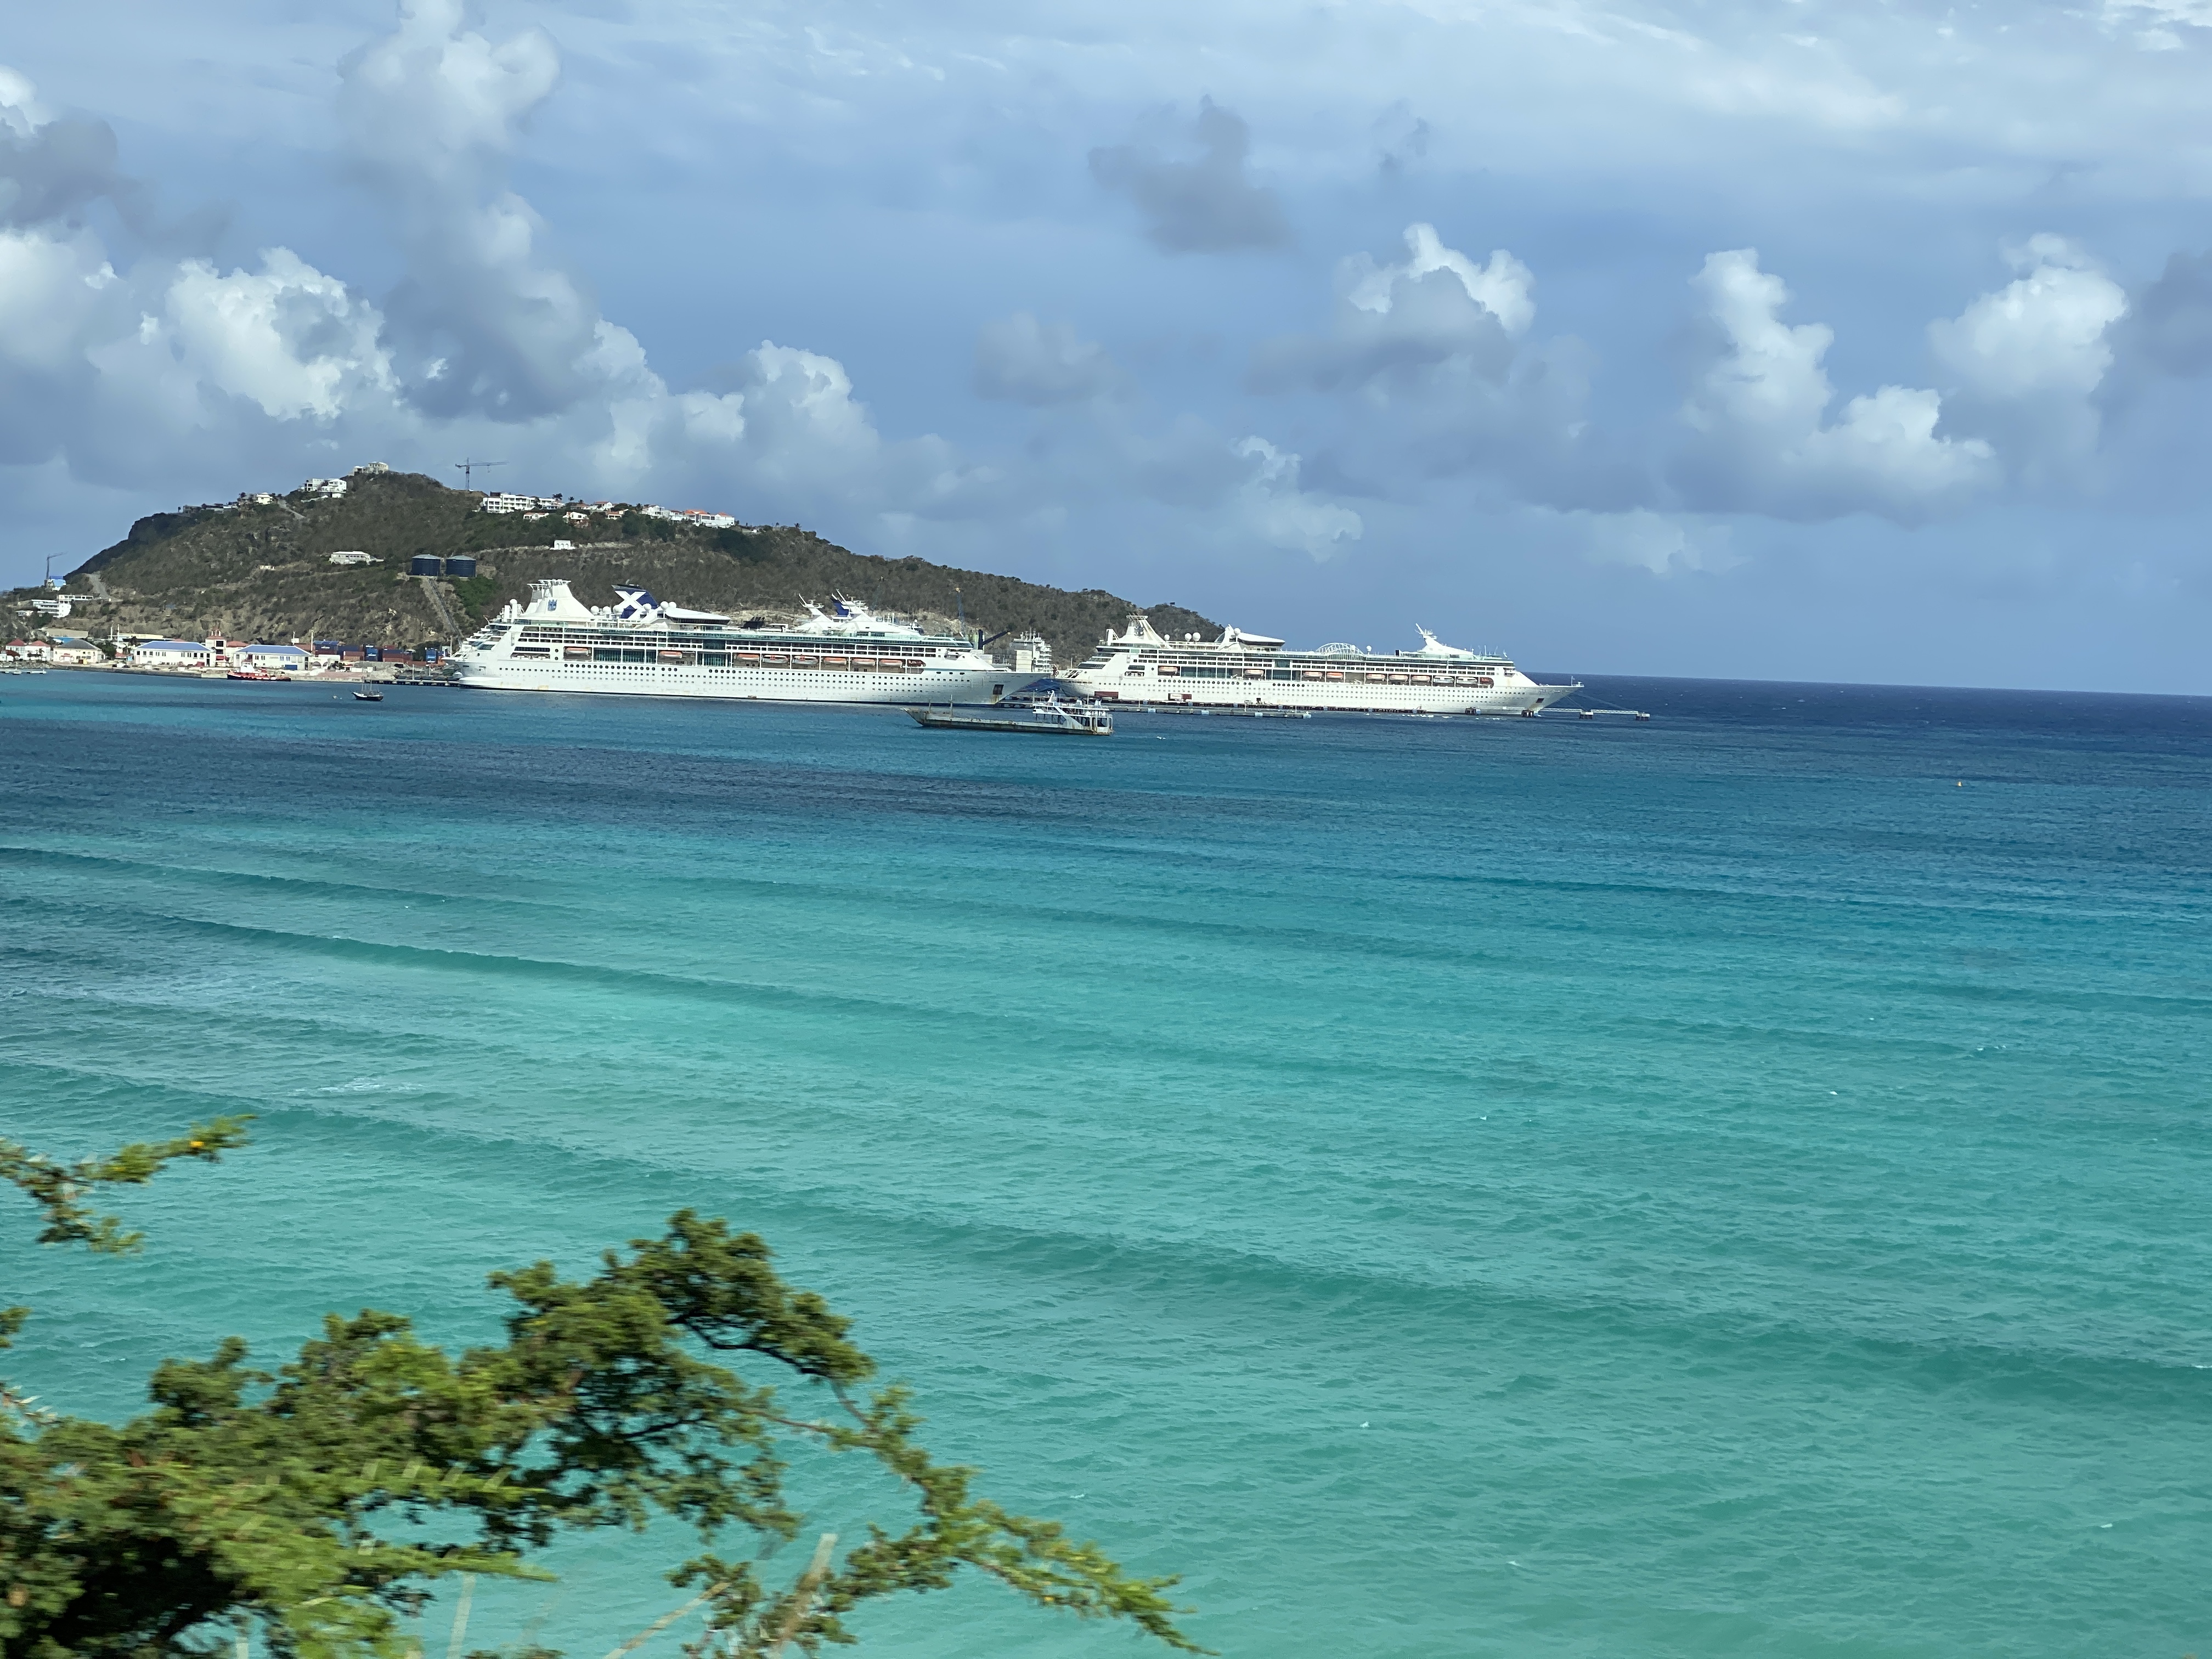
[1736, 1184]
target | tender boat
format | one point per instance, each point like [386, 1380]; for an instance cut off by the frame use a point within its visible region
[368, 696]
[1038, 710]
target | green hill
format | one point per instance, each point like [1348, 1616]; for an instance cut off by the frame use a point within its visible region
[263, 571]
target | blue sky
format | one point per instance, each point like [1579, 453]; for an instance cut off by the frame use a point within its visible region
[1788, 340]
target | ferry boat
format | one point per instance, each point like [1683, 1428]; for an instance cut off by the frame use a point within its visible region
[1039, 712]
[641, 647]
[1239, 670]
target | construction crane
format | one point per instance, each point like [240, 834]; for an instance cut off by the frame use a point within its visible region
[467, 469]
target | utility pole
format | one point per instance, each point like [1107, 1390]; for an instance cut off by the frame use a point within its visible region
[467, 470]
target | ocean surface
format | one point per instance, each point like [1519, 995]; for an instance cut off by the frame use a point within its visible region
[1739, 1184]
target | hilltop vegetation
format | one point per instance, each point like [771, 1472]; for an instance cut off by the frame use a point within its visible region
[264, 571]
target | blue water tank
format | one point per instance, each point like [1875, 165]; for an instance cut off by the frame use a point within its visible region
[425, 564]
[461, 564]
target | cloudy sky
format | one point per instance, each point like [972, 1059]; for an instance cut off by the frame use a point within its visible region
[1796, 340]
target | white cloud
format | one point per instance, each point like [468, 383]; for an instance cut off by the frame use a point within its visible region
[1023, 361]
[800, 423]
[179, 365]
[1431, 351]
[51, 287]
[1760, 439]
[436, 103]
[22, 114]
[2152, 23]
[2025, 363]
[1663, 543]
[2045, 333]
[1395, 325]
[1270, 503]
[484, 323]
[1501, 287]
[288, 337]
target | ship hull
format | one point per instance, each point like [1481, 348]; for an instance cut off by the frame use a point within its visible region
[1349, 699]
[741, 684]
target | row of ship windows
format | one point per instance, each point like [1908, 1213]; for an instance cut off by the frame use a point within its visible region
[639, 667]
[537, 638]
[1402, 664]
[1168, 672]
[601, 655]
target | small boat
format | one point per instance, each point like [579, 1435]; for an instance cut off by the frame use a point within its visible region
[1039, 713]
[368, 696]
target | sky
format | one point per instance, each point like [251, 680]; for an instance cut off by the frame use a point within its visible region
[1787, 340]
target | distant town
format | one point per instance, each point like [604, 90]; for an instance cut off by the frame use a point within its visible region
[47, 643]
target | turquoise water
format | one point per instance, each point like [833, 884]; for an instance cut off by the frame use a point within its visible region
[1528, 1188]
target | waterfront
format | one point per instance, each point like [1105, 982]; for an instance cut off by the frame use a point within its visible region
[1449, 1187]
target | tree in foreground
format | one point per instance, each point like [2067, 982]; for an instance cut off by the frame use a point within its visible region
[321, 1502]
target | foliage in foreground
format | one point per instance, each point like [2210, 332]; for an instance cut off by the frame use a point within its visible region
[323, 1501]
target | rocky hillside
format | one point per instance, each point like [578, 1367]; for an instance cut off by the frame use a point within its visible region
[263, 571]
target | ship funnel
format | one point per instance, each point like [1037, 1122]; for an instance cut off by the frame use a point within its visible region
[551, 601]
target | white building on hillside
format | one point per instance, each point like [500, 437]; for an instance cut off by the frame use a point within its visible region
[356, 557]
[698, 515]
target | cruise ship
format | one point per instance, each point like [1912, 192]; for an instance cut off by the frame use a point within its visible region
[641, 647]
[1239, 670]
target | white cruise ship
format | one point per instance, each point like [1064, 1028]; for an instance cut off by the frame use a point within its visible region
[642, 647]
[1240, 670]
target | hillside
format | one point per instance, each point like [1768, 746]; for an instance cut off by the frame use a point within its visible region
[262, 572]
